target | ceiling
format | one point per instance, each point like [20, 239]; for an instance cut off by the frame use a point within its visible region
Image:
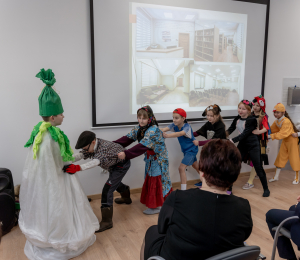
[171, 15]
[225, 70]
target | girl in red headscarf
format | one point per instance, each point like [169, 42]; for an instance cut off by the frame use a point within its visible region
[259, 112]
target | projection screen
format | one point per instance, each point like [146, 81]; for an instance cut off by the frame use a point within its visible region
[175, 54]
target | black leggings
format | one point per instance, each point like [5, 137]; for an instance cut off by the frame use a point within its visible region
[254, 152]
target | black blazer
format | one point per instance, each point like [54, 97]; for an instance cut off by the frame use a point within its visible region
[199, 224]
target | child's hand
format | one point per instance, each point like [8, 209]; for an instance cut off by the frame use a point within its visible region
[195, 142]
[298, 198]
[256, 131]
[165, 135]
[121, 156]
[295, 135]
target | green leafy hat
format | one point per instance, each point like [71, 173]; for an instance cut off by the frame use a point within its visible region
[49, 100]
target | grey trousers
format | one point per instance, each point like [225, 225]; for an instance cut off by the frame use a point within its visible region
[116, 174]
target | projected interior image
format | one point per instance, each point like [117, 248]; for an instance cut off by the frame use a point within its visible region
[188, 57]
[187, 33]
[219, 41]
[160, 81]
[219, 84]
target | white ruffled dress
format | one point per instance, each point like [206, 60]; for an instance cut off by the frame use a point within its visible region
[55, 216]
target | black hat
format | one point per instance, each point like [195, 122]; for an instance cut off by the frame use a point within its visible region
[86, 138]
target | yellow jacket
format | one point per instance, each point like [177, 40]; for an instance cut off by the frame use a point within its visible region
[281, 128]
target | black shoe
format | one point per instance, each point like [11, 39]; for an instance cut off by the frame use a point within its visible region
[266, 193]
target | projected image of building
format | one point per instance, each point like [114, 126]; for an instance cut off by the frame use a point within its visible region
[188, 33]
[220, 84]
[160, 81]
[219, 41]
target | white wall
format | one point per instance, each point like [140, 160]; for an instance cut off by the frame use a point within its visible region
[175, 27]
[283, 54]
[168, 80]
[56, 34]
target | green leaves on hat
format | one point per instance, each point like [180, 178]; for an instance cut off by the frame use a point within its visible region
[47, 76]
[49, 100]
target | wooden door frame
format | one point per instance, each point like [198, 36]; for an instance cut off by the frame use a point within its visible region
[188, 44]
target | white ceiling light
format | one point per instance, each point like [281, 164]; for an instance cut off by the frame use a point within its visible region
[200, 69]
[233, 71]
[218, 70]
[209, 73]
[168, 15]
[189, 16]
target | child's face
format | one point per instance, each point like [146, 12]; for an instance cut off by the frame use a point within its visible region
[90, 148]
[211, 117]
[242, 110]
[57, 120]
[142, 120]
[256, 107]
[178, 119]
[278, 114]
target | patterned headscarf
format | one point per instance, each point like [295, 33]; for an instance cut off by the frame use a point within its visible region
[151, 121]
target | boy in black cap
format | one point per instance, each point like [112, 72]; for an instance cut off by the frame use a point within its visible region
[104, 154]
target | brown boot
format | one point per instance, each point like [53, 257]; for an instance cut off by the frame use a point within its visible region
[125, 197]
[106, 222]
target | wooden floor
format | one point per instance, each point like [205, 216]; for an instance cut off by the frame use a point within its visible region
[124, 240]
[227, 56]
[176, 96]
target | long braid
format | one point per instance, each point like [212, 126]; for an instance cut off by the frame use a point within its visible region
[294, 127]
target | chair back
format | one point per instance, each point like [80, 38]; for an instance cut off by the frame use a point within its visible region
[241, 253]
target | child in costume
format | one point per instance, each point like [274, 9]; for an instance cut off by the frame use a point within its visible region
[55, 215]
[157, 185]
[213, 129]
[259, 112]
[284, 129]
[184, 133]
[104, 154]
[248, 142]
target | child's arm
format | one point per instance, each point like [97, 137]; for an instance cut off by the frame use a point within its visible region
[78, 156]
[284, 132]
[200, 143]
[232, 126]
[249, 127]
[166, 129]
[259, 132]
[274, 128]
[133, 152]
[124, 141]
[176, 134]
[73, 168]
[201, 131]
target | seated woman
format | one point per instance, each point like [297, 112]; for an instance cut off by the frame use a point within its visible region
[200, 223]
[274, 217]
